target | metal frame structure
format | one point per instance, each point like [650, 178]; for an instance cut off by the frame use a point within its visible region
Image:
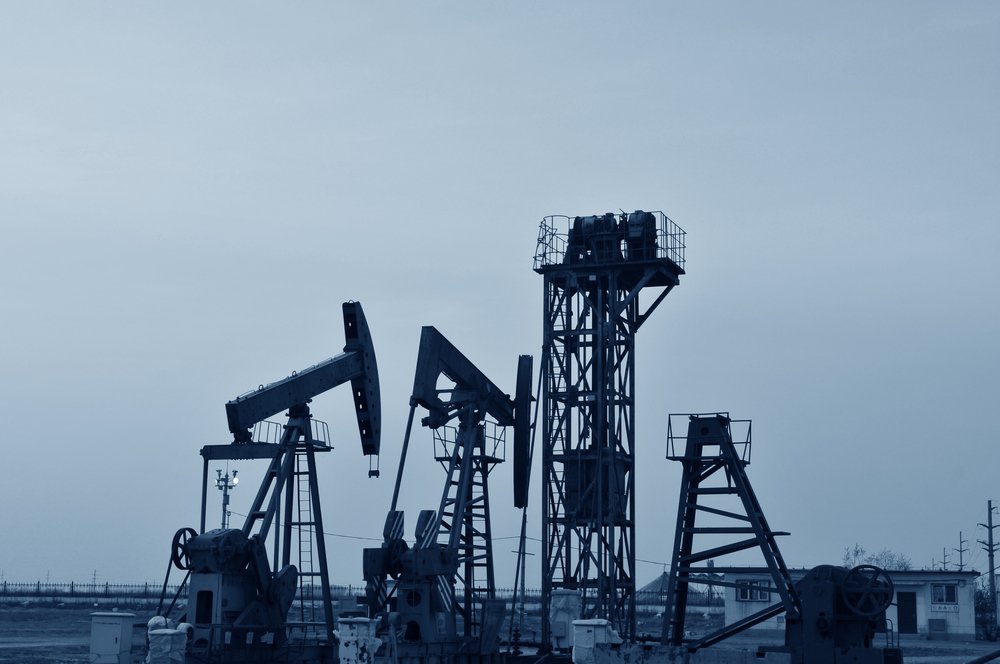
[448, 576]
[468, 455]
[287, 498]
[594, 269]
[715, 487]
[831, 614]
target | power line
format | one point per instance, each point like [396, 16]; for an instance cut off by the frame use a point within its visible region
[495, 539]
[340, 535]
[537, 539]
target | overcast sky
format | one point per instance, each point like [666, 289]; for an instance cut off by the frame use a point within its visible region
[188, 191]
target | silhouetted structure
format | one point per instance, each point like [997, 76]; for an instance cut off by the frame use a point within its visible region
[238, 604]
[594, 270]
[443, 602]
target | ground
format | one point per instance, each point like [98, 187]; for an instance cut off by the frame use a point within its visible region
[32, 635]
[61, 635]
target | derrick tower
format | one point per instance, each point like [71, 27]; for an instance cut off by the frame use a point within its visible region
[594, 269]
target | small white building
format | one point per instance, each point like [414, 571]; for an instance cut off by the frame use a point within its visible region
[933, 603]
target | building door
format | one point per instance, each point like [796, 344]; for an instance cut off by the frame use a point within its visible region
[906, 612]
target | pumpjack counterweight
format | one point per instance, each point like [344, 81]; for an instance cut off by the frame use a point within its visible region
[594, 270]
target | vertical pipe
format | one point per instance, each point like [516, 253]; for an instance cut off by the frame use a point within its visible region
[631, 315]
[545, 378]
[204, 493]
[291, 495]
[402, 457]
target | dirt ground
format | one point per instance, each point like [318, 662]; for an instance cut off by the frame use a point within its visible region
[916, 649]
[33, 635]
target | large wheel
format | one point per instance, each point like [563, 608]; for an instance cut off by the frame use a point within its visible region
[867, 590]
[179, 555]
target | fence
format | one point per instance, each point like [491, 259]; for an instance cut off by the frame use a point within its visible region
[140, 592]
[111, 592]
[645, 598]
[65, 592]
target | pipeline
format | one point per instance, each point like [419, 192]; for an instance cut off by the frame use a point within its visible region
[986, 658]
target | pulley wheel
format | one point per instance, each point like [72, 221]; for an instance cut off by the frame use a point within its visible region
[179, 555]
[867, 590]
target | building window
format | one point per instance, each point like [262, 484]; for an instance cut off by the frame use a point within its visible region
[943, 594]
[753, 591]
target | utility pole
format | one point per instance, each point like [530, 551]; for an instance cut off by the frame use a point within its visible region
[990, 549]
[961, 550]
[944, 559]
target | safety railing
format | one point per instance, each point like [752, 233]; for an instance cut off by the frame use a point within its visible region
[677, 430]
[890, 633]
[611, 238]
[267, 431]
[320, 432]
[446, 436]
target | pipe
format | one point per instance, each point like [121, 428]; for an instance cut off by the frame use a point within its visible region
[986, 658]
[402, 458]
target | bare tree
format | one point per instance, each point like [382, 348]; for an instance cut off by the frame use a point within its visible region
[854, 555]
[886, 558]
[891, 560]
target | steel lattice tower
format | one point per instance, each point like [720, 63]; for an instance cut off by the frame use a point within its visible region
[594, 268]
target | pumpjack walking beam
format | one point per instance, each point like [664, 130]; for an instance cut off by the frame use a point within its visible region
[355, 365]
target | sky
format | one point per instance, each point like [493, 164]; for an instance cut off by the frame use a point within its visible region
[189, 191]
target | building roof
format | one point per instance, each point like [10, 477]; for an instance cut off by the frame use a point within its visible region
[798, 572]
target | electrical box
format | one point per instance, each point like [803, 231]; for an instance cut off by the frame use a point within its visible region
[111, 637]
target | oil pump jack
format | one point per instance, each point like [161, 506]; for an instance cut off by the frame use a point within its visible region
[442, 606]
[238, 603]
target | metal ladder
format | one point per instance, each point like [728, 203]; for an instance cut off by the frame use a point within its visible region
[310, 612]
[465, 521]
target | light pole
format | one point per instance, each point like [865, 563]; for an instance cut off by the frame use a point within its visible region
[224, 483]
